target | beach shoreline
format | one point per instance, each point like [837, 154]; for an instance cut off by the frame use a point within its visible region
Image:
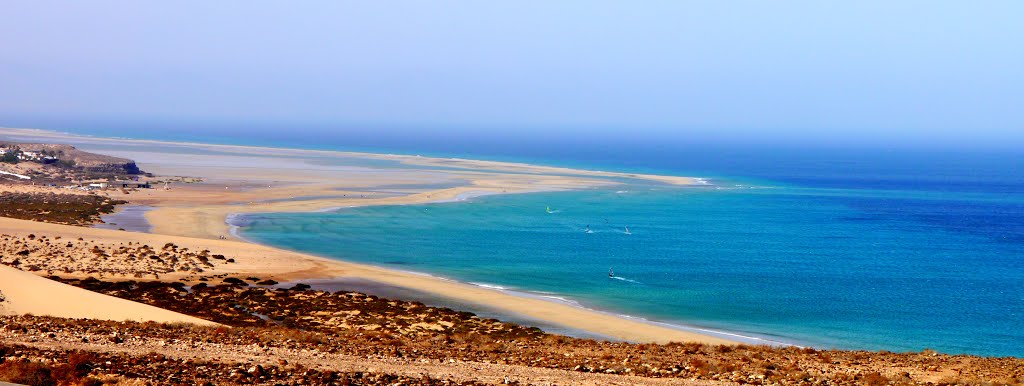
[435, 299]
[195, 215]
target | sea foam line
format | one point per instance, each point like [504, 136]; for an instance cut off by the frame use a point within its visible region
[749, 339]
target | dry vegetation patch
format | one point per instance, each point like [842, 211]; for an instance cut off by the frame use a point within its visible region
[60, 208]
[79, 257]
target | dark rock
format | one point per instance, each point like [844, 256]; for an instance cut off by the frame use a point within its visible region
[236, 281]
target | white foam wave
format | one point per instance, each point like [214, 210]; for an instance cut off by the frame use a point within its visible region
[489, 286]
[233, 226]
[625, 279]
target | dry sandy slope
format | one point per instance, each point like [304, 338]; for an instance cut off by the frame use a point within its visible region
[25, 293]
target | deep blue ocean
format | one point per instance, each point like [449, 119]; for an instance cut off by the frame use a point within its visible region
[856, 248]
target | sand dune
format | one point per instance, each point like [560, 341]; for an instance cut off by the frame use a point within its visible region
[25, 293]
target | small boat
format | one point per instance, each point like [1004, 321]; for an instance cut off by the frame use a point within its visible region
[628, 232]
[611, 273]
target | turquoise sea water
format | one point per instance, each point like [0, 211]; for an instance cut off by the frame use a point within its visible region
[831, 267]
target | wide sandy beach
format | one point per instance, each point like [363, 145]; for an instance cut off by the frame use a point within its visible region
[240, 179]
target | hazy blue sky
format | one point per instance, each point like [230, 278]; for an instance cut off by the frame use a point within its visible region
[911, 71]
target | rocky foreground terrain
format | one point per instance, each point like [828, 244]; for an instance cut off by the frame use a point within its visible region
[50, 359]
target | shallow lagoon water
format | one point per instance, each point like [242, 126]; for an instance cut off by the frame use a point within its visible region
[131, 218]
